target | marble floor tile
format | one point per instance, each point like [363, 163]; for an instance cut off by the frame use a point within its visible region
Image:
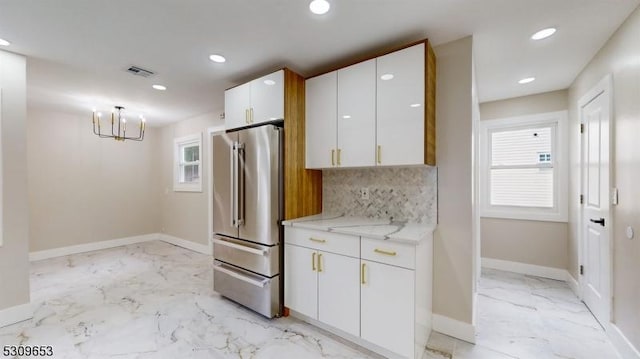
[154, 300]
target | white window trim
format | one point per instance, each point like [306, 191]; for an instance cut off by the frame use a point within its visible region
[561, 168]
[177, 143]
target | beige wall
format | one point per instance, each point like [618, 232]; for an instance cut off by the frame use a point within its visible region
[525, 105]
[453, 245]
[533, 242]
[620, 57]
[14, 260]
[87, 189]
[186, 214]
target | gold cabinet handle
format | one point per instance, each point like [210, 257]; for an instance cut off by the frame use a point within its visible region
[387, 253]
[339, 156]
[317, 240]
[251, 115]
[313, 261]
[362, 274]
[379, 155]
[246, 115]
[320, 262]
[333, 157]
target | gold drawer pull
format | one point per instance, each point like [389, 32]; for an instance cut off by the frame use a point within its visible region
[387, 253]
[362, 274]
[339, 150]
[317, 240]
[379, 155]
[320, 262]
[333, 157]
[313, 261]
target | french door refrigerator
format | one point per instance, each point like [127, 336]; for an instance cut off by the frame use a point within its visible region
[248, 207]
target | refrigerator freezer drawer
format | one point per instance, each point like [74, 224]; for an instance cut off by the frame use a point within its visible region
[251, 256]
[249, 289]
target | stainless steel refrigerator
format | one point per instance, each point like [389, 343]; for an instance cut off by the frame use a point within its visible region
[248, 209]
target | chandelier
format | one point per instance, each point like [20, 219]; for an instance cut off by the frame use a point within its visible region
[119, 131]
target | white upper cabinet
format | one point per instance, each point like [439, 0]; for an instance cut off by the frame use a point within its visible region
[267, 98]
[401, 107]
[357, 115]
[236, 105]
[320, 116]
[261, 100]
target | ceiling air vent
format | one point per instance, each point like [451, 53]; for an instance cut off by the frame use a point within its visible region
[138, 71]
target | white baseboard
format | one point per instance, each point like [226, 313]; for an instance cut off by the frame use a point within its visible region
[621, 343]
[196, 247]
[15, 314]
[88, 247]
[454, 328]
[524, 268]
[573, 284]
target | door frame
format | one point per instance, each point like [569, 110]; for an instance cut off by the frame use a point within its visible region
[604, 86]
[210, 132]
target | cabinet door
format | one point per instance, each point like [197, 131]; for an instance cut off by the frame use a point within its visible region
[387, 305]
[267, 98]
[236, 105]
[357, 114]
[400, 107]
[320, 116]
[339, 292]
[301, 280]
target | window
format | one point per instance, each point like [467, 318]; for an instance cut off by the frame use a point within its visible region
[523, 168]
[187, 167]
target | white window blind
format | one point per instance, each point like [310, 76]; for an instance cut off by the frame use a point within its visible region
[518, 177]
[523, 173]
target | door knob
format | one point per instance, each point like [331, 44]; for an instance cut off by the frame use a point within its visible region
[599, 221]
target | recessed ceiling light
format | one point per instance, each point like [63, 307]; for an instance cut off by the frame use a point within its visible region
[217, 58]
[269, 82]
[527, 80]
[319, 7]
[4, 42]
[159, 87]
[544, 33]
[386, 77]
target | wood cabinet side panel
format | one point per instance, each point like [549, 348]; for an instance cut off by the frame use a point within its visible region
[302, 187]
[430, 109]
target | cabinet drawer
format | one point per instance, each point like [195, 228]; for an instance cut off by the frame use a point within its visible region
[397, 254]
[323, 241]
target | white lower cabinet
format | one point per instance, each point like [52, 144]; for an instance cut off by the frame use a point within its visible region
[376, 293]
[339, 292]
[323, 286]
[386, 306]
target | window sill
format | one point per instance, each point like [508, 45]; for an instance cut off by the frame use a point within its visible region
[187, 188]
[527, 216]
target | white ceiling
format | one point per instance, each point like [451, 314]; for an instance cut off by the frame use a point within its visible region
[78, 49]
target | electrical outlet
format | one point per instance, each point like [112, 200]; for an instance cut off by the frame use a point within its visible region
[364, 193]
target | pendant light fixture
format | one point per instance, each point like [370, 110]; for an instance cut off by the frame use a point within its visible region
[119, 131]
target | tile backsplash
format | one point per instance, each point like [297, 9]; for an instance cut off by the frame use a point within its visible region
[403, 194]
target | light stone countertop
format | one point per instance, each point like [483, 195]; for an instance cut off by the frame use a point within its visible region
[383, 229]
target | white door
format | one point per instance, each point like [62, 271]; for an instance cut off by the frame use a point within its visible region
[400, 106]
[339, 292]
[301, 280]
[320, 115]
[595, 117]
[267, 98]
[387, 305]
[236, 106]
[357, 115]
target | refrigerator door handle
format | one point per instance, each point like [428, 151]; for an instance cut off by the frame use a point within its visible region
[240, 153]
[233, 182]
[260, 252]
[219, 267]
